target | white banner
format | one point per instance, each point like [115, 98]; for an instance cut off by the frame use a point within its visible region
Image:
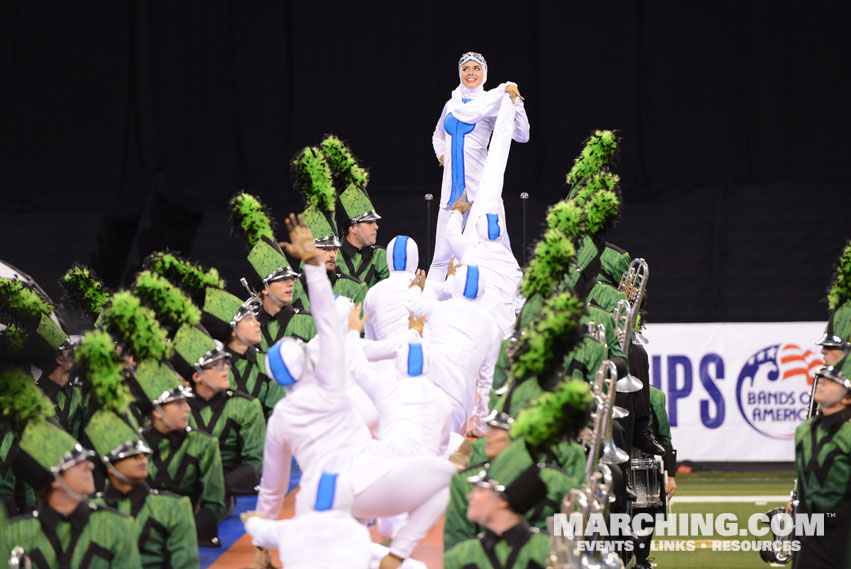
[735, 391]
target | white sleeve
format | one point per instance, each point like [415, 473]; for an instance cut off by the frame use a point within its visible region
[330, 369]
[377, 350]
[438, 137]
[264, 533]
[368, 308]
[277, 460]
[521, 123]
[457, 242]
[420, 304]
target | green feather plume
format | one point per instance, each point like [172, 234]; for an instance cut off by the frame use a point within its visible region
[12, 340]
[190, 277]
[313, 178]
[103, 369]
[598, 151]
[567, 217]
[172, 307]
[250, 219]
[601, 212]
[346, 169]
[552, 334]
[603, 180]
[20, 304]
[85, 290]
[135, 327]
[21, 400]
[553, 256]
[840, 287]
[554, 415]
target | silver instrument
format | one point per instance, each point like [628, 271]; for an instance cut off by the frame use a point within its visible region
[633, 284]
[596, 496]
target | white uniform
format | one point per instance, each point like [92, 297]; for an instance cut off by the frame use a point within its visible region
[414, 415]
[317, 424]
[500, 268]
[470, 115]
[463, 341]
[385, 301]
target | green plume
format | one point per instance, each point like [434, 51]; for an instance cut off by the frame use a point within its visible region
[104, 371]
[313, 178]
[250, 219]
[85, 290]
[346, 169]
[840, 287]
[21, 400]
[12, 340]
[172, 307]
[554, 415]
[567, 217]
[135, 327]
[21, 304]
[601, 212]
[190, 277]
[598, 151]
[602, 180]
[550, 336]
[553, 256]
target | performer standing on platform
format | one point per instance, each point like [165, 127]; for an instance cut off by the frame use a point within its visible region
[461, 139]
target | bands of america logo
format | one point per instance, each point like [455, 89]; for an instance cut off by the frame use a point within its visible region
[773, 390]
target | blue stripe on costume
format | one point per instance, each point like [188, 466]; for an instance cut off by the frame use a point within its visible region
[400, 253]
[457, 130]
[493, 226]
[279, 369]
[471, 286]
[415, 359]
[325, 492]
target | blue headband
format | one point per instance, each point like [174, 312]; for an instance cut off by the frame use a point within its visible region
[415, 359]
[325, 492]
[471, 286]
[279, 369]
[400, 253]
[493, 226]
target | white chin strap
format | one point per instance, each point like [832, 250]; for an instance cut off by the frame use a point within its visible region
[115, 472]
[207, 381]
[242, 338]
[367, 242]
[274, 298]
[76, 496]
[168, 423]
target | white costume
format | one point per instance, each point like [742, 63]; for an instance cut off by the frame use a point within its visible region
[499, 266]
[385, 301]
[463, 341]
[461, 137]
[414, 415]
[317, 424]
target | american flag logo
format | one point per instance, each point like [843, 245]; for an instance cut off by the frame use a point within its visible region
[796, 361]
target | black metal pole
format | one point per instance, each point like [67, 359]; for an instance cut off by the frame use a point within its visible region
[428, 199]
[524, 197]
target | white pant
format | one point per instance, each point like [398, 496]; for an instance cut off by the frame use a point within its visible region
[442, 250]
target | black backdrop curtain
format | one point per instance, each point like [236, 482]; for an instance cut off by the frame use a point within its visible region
[125, 126]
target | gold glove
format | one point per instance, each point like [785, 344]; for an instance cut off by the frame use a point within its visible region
[461, 204]
[452, 267]
[418, 280]
[301, 244]
[416, 323]
[513, 92]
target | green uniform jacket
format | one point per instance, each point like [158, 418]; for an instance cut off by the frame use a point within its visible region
[368, 264]
[236, 421]
[521, 547]
[559, 482]
[15, 494]
[659, 426]
[69, 402]
[164, 524]
[289, 321]
[823, 462]
[93, 537]
[248, 375]
[188, 463]
[341, 283]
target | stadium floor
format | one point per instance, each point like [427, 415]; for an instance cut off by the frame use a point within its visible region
[748, 489]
